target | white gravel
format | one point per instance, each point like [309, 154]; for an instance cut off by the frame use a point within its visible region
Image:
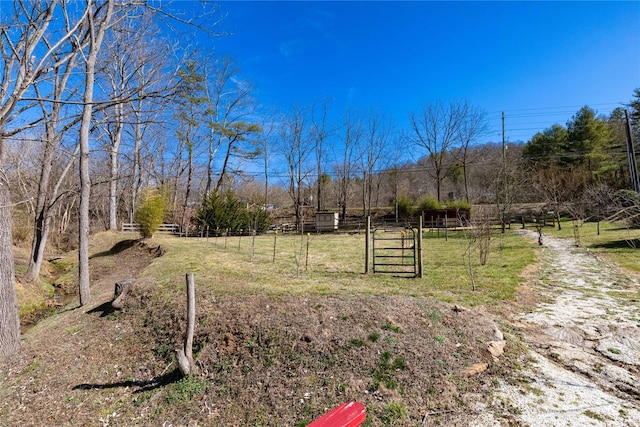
[584, 344]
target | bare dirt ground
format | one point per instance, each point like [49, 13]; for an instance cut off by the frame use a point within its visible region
[584, 338]
[284, 361]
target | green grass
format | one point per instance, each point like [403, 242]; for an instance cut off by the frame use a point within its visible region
[614, 241]
[335, 265]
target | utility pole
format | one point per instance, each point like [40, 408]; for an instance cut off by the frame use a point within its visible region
[503, 146]
[631, 153]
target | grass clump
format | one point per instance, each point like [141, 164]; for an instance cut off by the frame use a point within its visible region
[388, 326]
[384, 372]
[186, 389]
[392, 413]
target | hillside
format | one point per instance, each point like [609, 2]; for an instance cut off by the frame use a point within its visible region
[264, 360]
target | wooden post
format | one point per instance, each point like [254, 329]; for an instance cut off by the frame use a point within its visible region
[420, 275]
[306, 261]
[446, 227]
[367, 247]
[185, 354]
[240, 239]
[598, 225]
[275, 239]
[253, 244]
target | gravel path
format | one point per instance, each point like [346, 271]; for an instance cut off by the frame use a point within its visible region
[585, 345]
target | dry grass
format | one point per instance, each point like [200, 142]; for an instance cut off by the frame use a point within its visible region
[335, 265]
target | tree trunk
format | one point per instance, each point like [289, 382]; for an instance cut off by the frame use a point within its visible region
[97, 31]
[114, 152]
[137, 172]
[224, 165]
[41, 225]
[9, 319]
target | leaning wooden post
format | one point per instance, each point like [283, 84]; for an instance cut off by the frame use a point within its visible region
[367, 248]
[185, 354]
[420, 248]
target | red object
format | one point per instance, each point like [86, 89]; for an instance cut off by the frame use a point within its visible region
[350, 414]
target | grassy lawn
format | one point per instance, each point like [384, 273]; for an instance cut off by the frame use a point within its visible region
[335, 265]
[615, 241]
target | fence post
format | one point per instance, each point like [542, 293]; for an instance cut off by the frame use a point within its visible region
[420, 248]
[367, 248]
[275, 239]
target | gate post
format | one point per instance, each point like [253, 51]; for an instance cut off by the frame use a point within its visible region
[420, 247]
[367, 247]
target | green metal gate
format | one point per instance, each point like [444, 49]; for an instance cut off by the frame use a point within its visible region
[394, 252]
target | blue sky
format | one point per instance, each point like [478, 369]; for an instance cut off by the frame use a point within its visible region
[539, 62]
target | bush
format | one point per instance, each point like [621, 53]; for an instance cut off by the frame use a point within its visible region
[458, 204]
[405, 206]
[429, 203]
[151, 211]
[226, 212]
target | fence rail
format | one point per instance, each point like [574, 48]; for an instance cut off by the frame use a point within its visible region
[163, 228]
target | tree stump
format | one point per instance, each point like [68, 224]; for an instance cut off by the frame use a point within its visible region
[122, 288]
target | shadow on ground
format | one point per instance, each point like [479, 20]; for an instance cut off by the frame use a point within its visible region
[141, 385]
[619, 244]
[117, 248]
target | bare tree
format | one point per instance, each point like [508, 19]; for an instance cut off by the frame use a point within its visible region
[296, 149]
[375, 139]
[319, 134]
[436, 129]
[345, 167]
[99, 20]
[473, 125]
[53, 133]
[26, 47]
[132, 74]
[559, 188]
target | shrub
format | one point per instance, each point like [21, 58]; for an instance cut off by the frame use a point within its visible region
[428, 203]
[151, 211]
[226, 212]
[458, 204]
[405, 206]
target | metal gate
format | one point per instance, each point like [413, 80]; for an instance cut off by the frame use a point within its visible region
[394, 252]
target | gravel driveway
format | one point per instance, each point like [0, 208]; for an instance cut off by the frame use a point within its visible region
[584, 341]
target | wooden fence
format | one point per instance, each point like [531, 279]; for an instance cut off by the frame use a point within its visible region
[163, 228]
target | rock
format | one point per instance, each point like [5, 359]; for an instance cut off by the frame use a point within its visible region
[476, 369]
[497, 333]
[496, 348]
